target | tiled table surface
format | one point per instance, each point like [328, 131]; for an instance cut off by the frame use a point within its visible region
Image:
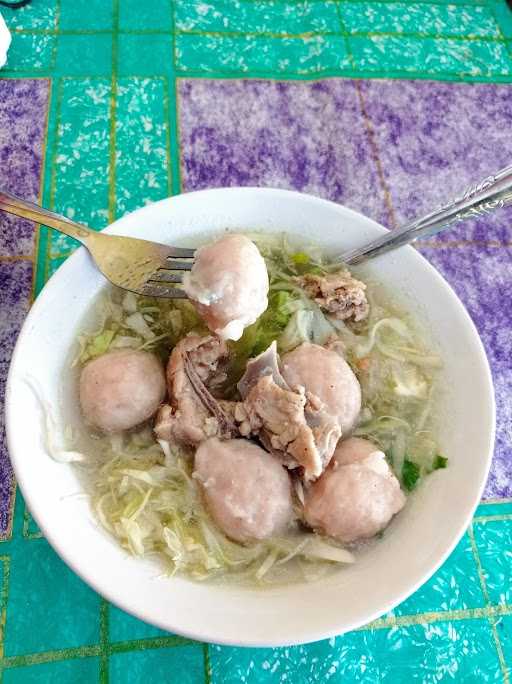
[387, 107]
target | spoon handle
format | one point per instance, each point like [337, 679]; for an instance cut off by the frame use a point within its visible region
[494, 192]
[20, 207]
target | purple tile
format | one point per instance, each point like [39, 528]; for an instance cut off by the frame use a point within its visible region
[15, 291]
[306, 136]
[435, 139]
[482, 278]
[23, 107]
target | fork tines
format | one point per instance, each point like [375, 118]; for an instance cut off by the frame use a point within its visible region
[156, 284]
[163, 276]
[181, 253]
[151, 289]
[171, 264]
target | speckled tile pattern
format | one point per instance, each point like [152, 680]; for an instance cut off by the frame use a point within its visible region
[494, 539]
[303, 136]
[15, 293]
[464, 651]
[226, 55]
[482, 277]
[274, 17]
[419, 18]
[141, 134]
[23, 108]
[82, 156]
[435, 139]
[150, 99]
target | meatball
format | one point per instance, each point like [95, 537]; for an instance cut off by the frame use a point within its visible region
[246, 490]
[328, 376]
[353, 450]
[121, 389]
[228, 284]
[357, 495]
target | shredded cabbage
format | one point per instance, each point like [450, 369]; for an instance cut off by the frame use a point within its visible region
[148, 499]
[144, 492]
[137, 322]
[306, 325]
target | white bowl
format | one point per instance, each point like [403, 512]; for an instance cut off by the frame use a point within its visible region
[414, 546]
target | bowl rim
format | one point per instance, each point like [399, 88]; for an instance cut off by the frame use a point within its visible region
[204, 634]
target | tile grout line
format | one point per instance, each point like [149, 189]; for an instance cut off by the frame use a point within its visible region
[375, 151]
[344, 32]
[492, 622]
[177, 641]
[113, 113]
[51, 656]
[95, 651]
[369, 128]
[174, 132]
[44, 233]
[269, 35]
[104, 642]
[437, 616]
[369, 74]
[207, 664]
[37, 227]
[53, 61]
[167, 118]
[312, 76]
[53, 177]
[4, 595]
[482, 519]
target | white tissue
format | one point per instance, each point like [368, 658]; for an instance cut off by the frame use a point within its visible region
[5, 41]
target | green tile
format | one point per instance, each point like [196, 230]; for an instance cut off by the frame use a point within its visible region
[503, 15]
[455, 586]
[87, 55]
[504, 631]
[4, 576]
[48, 606]
[494, 542]
[40, 14]
[176, 665]
[257, 17]
[125, 627]
[146, 15]
[31, 52]
[436, 20]
[460, 651]
[30, 527]
[430, 56]
[18, 516]
[81, 170]
[494, 508]
[141, 143]
[78, 670]
[144, 55]
[54, 263]
[277, 55]
[85, 15]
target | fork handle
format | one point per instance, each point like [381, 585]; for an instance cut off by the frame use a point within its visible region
[25, 209]
[494, 192]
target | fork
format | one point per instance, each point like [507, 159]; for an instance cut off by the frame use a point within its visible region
[492, 193]
[141, 266]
